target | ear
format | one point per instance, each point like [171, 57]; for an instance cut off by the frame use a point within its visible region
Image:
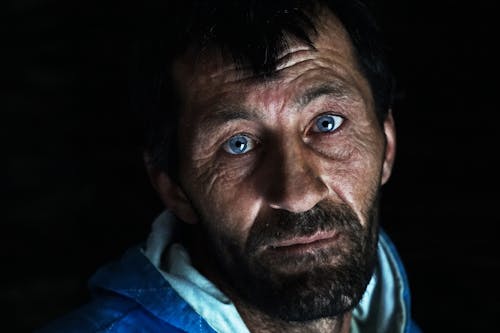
[171, 194]
[390, 147]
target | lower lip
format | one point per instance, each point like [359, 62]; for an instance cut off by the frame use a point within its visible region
[307, 245]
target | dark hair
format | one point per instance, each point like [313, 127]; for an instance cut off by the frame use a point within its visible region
[253, 33]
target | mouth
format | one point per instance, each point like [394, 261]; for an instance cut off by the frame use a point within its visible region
[297, 245]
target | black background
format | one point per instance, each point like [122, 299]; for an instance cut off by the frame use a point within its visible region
[76, 194]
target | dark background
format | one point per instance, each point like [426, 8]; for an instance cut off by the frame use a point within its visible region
[76, 195]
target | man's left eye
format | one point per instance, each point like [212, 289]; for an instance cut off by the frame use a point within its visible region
[327, 123]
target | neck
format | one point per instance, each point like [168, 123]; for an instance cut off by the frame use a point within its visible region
[256, 320]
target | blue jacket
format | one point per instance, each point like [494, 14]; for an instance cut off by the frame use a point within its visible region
[131, 295]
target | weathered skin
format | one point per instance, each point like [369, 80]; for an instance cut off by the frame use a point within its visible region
[291, 167]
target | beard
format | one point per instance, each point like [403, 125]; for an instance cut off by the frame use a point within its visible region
[326, 282]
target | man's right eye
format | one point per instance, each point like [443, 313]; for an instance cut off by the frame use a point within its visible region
[239, 144]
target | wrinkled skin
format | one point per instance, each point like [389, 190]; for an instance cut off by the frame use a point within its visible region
[291, 166]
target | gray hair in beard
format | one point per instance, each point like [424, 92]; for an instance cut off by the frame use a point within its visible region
[323, 291]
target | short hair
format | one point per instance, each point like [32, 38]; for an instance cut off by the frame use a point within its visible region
[253, 33]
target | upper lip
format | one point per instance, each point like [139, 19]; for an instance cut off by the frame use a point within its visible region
[304, 240]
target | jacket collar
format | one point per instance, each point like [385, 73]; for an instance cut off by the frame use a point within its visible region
[134, 277]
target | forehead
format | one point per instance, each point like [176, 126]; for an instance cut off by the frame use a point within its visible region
[208, 77]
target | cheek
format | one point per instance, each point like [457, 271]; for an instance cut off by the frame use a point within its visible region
[223, 189]
[227, 202]
[355, 175]
[229, 223]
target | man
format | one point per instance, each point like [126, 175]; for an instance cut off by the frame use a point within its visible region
[270, 137]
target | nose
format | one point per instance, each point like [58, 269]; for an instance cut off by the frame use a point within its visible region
[295, 184]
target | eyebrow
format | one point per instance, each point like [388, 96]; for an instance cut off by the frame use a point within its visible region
[335, 89]
[225, 113]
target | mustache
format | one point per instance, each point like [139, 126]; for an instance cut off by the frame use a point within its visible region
[283, 225]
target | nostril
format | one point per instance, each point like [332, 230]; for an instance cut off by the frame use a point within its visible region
[291, 177]
[300, 194]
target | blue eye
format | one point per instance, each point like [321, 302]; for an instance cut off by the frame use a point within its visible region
[327, 123]
[239, 144]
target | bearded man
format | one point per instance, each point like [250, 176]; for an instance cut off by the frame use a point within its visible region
[269, 135]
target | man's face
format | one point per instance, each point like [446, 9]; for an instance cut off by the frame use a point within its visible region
[282, 174]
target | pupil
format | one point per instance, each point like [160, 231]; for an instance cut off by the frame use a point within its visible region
[239, 144]
[327, 124]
